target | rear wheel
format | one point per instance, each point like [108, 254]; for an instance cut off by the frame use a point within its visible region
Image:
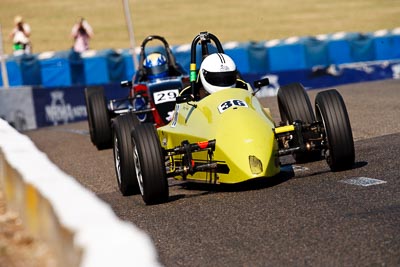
[294, 105]
[123, 154]
[149, 164]
[98, 118]
[331, 111]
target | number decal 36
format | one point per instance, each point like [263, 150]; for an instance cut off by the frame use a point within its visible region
[230, 104]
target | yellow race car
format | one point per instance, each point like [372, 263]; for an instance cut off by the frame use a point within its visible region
[228, 137]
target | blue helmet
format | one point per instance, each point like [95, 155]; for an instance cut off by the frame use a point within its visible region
[156, 66]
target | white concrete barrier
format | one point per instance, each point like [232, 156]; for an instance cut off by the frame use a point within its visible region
[81, 229]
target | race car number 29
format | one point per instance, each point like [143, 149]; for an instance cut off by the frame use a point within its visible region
[165, 96]
[231, 104]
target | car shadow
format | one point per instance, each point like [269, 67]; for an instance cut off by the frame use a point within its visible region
[359, 164]
[356, 165]
[288, 172]
[206, 189]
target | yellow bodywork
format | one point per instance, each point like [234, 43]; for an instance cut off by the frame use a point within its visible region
[242, 128]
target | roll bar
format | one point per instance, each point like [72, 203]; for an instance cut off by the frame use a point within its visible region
[204, 38]
[170, 56]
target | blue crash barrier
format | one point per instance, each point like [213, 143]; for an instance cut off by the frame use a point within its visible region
[287, 55]
[66, 68]
[14, 73]
[361, 47]
[115, 65]
[95, 68]
[386, 45]
[298, 53]
[77, 68]
[28, 108]
[55, 69]
[30, 69]
[127, 56]
[258, 58]
[105, 66]
[339, 49]
[316, 52]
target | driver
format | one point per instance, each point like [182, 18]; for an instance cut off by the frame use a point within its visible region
[218, 72]
[156, 66]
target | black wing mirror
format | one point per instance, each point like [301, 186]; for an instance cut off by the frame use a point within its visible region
[184, 99]
[260, 83]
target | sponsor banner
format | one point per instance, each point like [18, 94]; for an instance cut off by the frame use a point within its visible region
[59, 106]
[55, 106]
[16, 107]
[334, 75]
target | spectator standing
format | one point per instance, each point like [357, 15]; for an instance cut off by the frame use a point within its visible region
[20, 35]
[81, 33]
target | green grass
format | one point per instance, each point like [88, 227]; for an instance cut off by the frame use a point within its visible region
[180, 20]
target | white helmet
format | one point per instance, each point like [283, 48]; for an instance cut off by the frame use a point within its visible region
[217, 72]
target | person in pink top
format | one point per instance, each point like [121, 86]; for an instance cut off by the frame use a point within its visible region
[81, 33]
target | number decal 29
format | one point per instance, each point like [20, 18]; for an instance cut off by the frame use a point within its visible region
[165, 96]
[230, 104]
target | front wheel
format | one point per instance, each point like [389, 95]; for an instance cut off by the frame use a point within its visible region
[331, 111]
[123, 154]
[149, 164]
[98, 118]
[294, 105]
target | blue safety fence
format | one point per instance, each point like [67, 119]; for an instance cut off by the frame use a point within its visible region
[102, 67]
[28, 108]
[386, 44]
[77, 68]
[23, 70]
[55, 69]
[68, 68]
[14, 73]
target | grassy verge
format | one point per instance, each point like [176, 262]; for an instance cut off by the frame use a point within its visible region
[180, 20]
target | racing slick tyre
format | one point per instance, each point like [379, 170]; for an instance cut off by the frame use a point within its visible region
[294, 104]
[123, 153]
[149, 164]
[98, 118]
[331, 110]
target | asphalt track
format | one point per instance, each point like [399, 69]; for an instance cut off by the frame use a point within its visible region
[309, 216]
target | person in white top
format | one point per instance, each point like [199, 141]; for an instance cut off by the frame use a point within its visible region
[20, 36]
[81, 32]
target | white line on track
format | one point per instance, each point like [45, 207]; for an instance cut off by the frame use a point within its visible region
[363, 181]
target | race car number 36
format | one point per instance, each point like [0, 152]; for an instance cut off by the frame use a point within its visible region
[165, 96]
[231, 103]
